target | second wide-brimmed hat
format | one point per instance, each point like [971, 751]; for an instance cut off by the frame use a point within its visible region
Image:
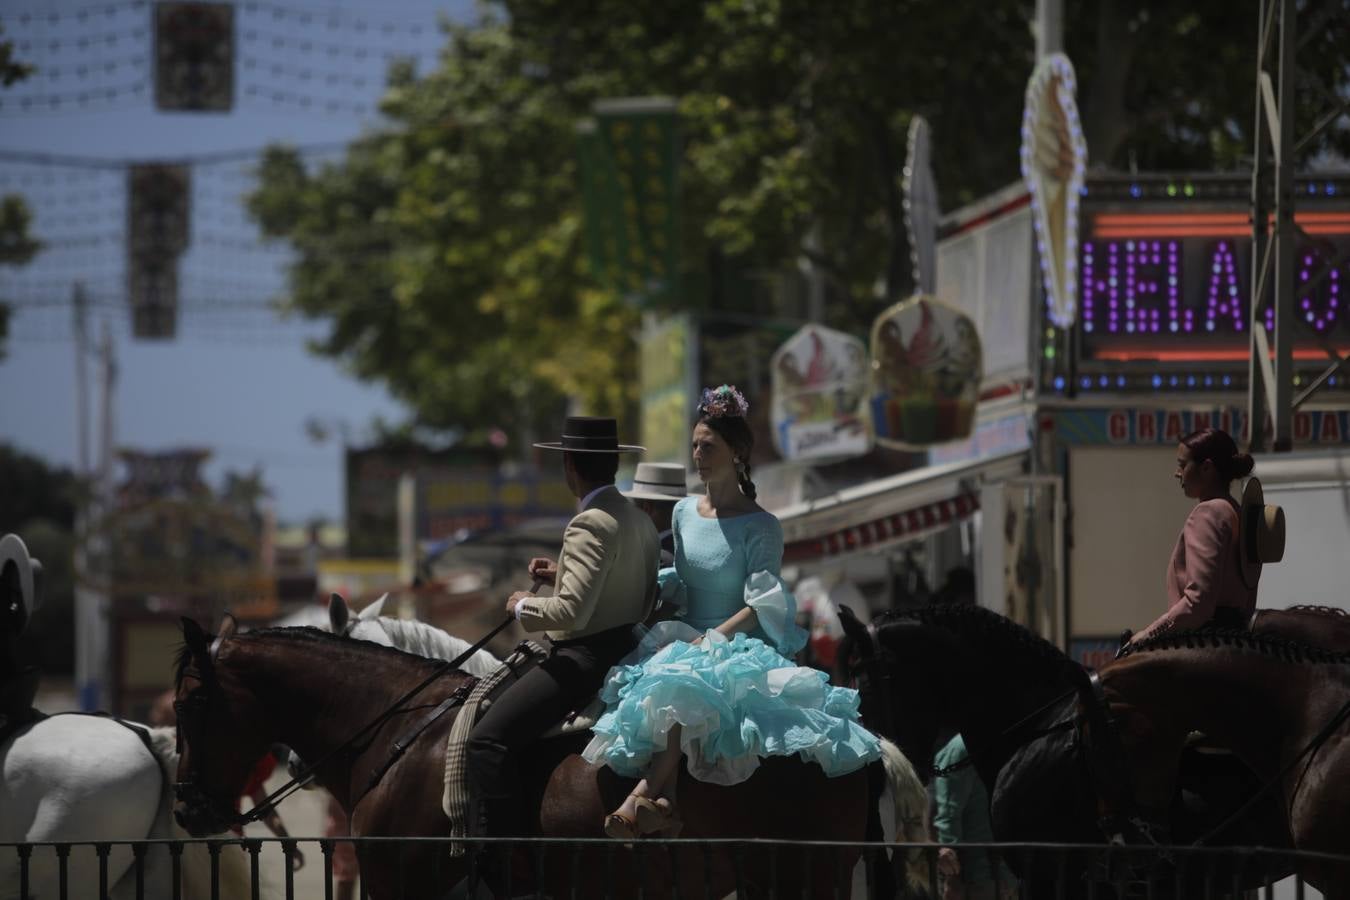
[658, 481]
[590, 434]
[1260, 532]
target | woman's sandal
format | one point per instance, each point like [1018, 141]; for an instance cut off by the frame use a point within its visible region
[653, 818]
[620, 827]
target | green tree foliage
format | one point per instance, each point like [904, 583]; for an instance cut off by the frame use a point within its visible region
[1172, 87]
[447, 248]
[17, 245]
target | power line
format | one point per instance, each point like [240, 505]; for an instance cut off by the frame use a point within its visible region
[28, 157]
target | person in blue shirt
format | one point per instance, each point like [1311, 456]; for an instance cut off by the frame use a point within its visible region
[962, 816]
[718, 686]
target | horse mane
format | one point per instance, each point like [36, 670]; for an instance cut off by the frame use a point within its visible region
[300, 635]
[1230, 639]
[428, 640]
[966, 618]
[1334, 611]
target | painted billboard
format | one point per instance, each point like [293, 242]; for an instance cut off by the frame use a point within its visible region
[819, 382]
[926, 369]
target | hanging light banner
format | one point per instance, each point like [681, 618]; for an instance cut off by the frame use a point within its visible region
[1054, 160]
[921, 206]
[194, 57]
[158, 214]
[636, 185]
[819, 381]
[600, 205]
[926, 370]
[157, 209]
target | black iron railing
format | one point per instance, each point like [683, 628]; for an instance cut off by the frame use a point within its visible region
[255, 868]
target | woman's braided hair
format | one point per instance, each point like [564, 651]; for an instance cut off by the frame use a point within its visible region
[723, 409]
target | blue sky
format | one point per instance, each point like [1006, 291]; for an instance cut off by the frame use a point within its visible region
[238, 378]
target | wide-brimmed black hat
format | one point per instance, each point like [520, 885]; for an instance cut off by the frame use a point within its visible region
[590, 434]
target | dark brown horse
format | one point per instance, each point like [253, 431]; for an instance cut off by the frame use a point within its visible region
[312, 691]
[1018, 701]
[1280, 707]
[1317, 626]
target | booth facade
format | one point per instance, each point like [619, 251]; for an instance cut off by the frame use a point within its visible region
[1063, 500]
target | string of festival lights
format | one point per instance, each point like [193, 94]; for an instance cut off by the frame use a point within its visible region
[325, 61]
[232, 281]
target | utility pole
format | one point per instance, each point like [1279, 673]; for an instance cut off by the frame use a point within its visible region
[78, 300]
[1049, 28]
[92, 597]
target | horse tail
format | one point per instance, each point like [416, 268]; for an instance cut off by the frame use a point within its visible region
[911, 814]
[235, 877]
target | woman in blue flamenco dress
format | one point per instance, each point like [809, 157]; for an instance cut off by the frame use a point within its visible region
[718, 685]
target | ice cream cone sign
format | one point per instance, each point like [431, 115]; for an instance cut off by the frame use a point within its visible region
[1054, 161]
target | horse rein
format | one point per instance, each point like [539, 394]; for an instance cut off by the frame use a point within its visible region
[196, 705]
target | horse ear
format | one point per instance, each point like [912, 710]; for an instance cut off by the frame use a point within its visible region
[373, 610]
[198, 643]
[856, 631]
[338, 614]
[193, 635]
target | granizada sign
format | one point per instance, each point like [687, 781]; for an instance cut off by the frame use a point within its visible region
[1168, 426]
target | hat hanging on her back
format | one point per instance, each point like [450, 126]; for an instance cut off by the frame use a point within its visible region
[1260, 532]
[658, 481]
[590, 434]
[26, 572]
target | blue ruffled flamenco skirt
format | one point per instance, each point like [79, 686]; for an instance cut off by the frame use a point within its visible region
[738, 701]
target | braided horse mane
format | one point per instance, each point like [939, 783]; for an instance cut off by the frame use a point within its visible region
[976, 621]
[1229, 639]
[1314, 609]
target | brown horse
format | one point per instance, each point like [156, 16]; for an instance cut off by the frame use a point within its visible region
[1279, 706]
[1317, 626]
[313, 691]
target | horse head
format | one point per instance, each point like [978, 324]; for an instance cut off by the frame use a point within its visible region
[218, 740]
[363, 626]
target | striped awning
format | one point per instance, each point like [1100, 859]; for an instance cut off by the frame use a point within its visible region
[903, 507]
[877, 533]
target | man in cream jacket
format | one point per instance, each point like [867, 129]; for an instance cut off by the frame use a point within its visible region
[604, 583]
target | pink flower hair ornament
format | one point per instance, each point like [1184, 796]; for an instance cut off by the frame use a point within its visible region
[723, 402]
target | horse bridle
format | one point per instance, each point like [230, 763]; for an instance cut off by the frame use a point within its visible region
[194, 708]
[191, 711]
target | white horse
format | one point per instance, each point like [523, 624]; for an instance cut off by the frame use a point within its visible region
[407, 635]
[88, 778]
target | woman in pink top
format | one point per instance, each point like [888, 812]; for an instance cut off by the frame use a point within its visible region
[1204, 579]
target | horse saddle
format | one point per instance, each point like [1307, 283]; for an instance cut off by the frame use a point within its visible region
[480, 697]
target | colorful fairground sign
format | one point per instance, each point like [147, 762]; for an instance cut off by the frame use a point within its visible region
[1054, 160]
[819, 379]
[926, 371]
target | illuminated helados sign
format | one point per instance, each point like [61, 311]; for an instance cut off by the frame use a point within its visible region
[1054, 160]
[926, 369]
[1147, 276]
[819, 379]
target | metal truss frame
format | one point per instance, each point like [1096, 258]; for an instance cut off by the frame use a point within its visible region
[1274, 231]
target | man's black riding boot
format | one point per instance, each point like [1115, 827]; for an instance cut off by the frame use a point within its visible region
[16, 698]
